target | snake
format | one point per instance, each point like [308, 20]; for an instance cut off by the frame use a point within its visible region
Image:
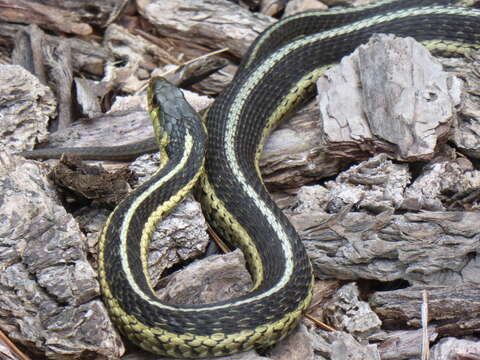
[217, 157]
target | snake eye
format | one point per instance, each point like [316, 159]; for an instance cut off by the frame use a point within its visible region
[154, 100]
[156, 92]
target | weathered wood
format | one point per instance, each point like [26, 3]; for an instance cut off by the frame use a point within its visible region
[297, 6]
[49, 291]
[216, 278]
[28, 51]
[127, 122]
[87, 56]
[426, 248]
[215, 83]
[75, 17]
[453, 310]
[90, 94]
[294, 154]
[297, 346]
[27, 107]
[194, 71]
[467, 124]
[91, 184]
[405, 109]
[31, 12]
[272, 7]
[346, 312]
[340, 345]
[441, 185]
[404, 344]
[212, 23]
[133, 47]
[453, 349]
[60, 62]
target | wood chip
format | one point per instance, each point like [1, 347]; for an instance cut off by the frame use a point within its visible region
[389, 96]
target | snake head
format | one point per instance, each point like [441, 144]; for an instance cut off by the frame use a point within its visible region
[172, 116]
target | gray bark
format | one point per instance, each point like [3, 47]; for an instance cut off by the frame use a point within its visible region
[26, 106]
[214, 24]
[49, 292]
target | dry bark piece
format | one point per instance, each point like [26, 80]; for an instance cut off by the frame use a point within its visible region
[136, 48]
[426, 248]
[298, 6]
[454, 349]
[87, 56]
[51, 17]
[444, 185]
[90, 94]
[216, 278]
[322, 293]
[28, 51]
[389, 96]
[454, 310]
[249, 355]
[91, 183]
[467, 200]
[216, 82]
[59, 60]
[211, 23]
[347, 2]
[375, 185]
[404, 344]
[339, 345]
[185, 52]
[26, 106]
[297, 346]
[467, 126]
[272, 7]
[345, 311]
[180, 237]
[309, 198]
[127, 122]
[120, 6]
[194, 71]
[66, 16]
[124, 127]
[91, 222]
[49, 291]
[294, 155]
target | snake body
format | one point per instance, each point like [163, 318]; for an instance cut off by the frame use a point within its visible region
[278, 72]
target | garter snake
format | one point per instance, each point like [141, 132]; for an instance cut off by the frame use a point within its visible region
[278, 72]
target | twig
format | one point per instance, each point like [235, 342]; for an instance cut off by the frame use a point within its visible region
[207, 55]
[116, 12]
[60, 61]
[204, 56]
[218, 240]
[12, 347]
[173, 69]
[320, 323]
[155, 40]
[425, 340]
